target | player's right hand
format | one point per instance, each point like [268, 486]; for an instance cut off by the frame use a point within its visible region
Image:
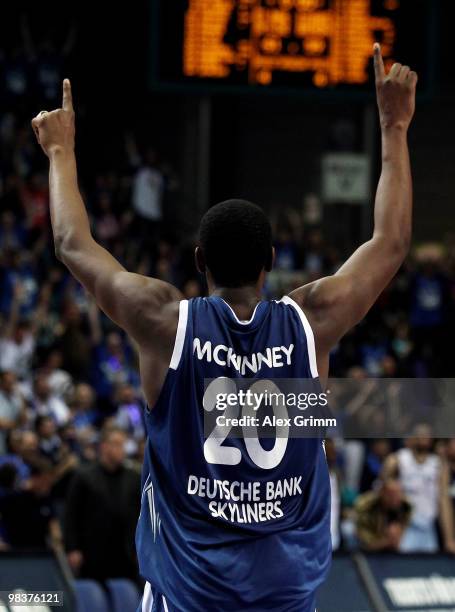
[395, 91]
[55, 130]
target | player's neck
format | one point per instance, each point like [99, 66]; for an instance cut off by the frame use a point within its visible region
[244, 296]
[243, 300]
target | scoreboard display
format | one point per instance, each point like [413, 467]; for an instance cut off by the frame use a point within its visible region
[277, 45]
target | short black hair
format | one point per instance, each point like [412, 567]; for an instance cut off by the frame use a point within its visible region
[236, 240]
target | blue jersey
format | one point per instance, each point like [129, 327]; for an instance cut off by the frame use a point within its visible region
[225, 525]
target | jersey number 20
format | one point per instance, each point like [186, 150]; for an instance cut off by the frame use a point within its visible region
[217, 453]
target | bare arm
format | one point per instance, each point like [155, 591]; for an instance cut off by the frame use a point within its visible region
[446, 510]
[132, 301]
[335, 304]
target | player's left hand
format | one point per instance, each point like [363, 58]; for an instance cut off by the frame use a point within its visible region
[55, 130]
[396, 92]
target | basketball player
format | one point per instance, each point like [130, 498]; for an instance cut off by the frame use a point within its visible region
[227, 524]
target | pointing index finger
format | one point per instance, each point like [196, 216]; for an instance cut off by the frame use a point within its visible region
[67, 103]
[379, 69]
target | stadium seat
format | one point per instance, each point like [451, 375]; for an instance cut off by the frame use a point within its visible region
[90, 597]
[124, 595]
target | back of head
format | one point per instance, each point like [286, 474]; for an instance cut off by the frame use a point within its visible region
[235, 237]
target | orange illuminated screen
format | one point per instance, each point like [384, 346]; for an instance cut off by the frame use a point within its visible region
[262, 37]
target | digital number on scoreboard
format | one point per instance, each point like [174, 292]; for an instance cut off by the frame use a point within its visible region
[279, 44]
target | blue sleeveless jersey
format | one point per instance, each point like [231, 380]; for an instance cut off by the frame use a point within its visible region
[220, 530]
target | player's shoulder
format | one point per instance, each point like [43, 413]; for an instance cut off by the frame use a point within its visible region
[149, 303]
[162, 323]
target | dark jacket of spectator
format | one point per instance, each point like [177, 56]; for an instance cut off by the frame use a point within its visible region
[26, 516]
[102, 508]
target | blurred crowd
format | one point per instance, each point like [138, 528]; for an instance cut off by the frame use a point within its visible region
[71, 425]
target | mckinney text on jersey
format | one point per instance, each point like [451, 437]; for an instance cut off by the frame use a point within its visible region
[272, 357]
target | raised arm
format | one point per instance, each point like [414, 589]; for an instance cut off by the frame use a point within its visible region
[132, 301]
[337, 303]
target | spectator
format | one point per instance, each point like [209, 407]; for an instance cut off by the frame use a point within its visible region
[115, 365]
[17, 340]
[382, 517]
[13, 455]
[12, 407]
[19, 283]
[101, 513]
[17, 344]
[28, 449]
[372, 468]
[49, 442]
[87, 443]
[27, 516]
[83, 409]
[60, 381]
[129, 417]
[75, 341]
[148, 191]
[45, 403]
[425, 481]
